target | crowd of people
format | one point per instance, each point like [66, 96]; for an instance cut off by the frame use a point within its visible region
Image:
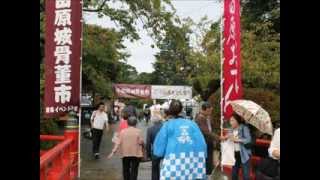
[180, 148]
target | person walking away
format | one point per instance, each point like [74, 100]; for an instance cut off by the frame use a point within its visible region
[98, 122]
[242, 139]
[130, 149]
[130, 110]
[204, 122]
[151, 134]
[147, 114]
[123, 122]
[140, 115]
[111, 119]
[269, 168]
[182, 146]
[189, 110]
[122, 125]
[121, 106]
[116, 113]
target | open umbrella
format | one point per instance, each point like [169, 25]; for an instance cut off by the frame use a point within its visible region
[253, 114]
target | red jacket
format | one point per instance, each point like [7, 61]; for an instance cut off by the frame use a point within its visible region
[123, 125]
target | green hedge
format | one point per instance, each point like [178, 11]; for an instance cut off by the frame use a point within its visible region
[49, 126]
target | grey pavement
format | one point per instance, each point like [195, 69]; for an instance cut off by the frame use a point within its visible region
[103, 168]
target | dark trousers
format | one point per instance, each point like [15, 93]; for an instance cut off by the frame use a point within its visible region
[267, 169]
[147, 119]
[209, 159]
[130, 166]
[156, 169]
[261, 176]
[245, 168]
[96, 140]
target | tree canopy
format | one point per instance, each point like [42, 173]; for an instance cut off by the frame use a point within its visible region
[102, 56]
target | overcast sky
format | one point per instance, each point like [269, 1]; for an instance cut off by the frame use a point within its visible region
[142, 55]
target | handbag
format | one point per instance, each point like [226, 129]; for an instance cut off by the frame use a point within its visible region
[87, 134]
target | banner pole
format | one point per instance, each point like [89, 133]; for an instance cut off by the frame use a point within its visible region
[221, 74]
[80, 94]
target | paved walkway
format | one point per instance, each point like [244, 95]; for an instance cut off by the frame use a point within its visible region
[104, 169]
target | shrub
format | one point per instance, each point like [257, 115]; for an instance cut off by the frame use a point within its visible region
[49, 126]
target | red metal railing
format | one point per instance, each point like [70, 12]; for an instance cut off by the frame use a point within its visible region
[51, 138]
[57, 163]
[263, 143]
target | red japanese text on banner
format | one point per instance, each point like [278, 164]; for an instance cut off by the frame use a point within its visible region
[62, 56]
[132, 91]
[231, 61]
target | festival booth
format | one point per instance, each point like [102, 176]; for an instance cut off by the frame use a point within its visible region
[157, 92]
[143, 91]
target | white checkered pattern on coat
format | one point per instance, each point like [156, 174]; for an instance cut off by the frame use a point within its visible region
[184, 166]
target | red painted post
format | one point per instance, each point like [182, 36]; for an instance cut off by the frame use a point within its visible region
[72, 132]
[43, 173]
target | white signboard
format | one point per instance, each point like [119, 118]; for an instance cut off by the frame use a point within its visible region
[171, 92]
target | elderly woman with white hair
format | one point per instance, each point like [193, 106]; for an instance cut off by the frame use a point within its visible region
[152, 131]
[130, 149]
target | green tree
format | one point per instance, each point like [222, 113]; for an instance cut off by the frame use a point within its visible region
[260, 61]
[172, 66]
[260, 11]
[144, 78]
[152, 13]
[127, 74]
[207, 75]
[103, 58]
